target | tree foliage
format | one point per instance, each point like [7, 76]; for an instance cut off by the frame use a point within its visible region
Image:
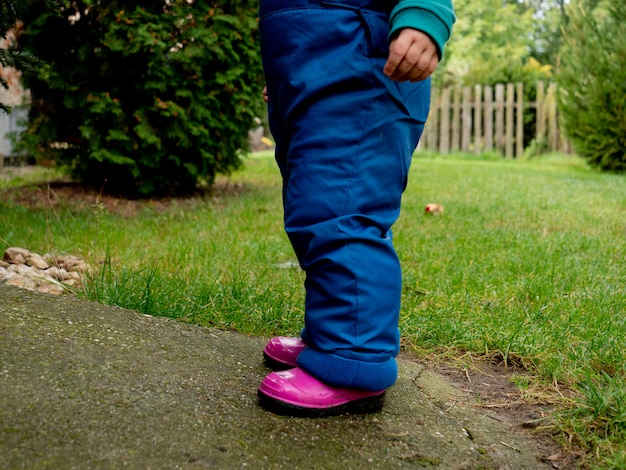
[545, 33]
[144, 98]
[501, 41]
[490, 43]
[592, 80]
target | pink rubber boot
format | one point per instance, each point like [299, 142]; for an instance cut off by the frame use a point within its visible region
[295, 392]
[281, 352]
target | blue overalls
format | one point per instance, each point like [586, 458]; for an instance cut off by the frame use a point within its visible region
[345, 134]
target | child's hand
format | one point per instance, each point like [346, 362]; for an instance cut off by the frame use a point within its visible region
[412, 56]
[265, 97]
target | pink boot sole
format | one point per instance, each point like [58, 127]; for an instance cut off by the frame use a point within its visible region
[281, 352]
[295, 392]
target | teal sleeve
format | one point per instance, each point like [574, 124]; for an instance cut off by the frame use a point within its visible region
[433, 17]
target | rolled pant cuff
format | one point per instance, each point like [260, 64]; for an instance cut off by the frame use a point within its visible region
[341, 372]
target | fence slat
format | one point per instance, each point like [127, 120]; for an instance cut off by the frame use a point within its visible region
[553, 130]
[499, 108]
[444, 134]
[519, 120]
[466, 133]
[434, 120]
[510, 102]
[456, 119]
[488, 118]
[540, 132]
[478, 119]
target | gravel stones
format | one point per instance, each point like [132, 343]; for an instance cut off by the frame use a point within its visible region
[52, 274]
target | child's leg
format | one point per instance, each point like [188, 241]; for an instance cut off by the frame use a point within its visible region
[345, 135]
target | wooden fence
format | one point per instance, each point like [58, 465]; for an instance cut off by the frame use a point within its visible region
[484, 118]
[469, 119]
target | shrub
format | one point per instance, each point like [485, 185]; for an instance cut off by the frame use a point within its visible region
[147, 98]
[592, 81]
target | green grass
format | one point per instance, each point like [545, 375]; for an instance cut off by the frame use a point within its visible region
[16, 176]
[527, 263]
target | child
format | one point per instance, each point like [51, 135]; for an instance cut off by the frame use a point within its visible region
[348, 96]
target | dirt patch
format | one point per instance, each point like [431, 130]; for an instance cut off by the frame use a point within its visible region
[489, 386]
[74, 196]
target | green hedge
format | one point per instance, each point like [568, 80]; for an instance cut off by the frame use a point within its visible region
[592, 80]
[151, 98]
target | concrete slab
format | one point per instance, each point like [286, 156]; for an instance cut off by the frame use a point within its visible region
[84, 385]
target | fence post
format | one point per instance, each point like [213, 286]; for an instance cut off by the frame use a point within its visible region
[456, 119]
[466, 134]
[478, 128]
[553, 128]
[444, 134]
[519, 115]
[433, 119]
[499, 105]
[540, 130]
[488, 118]
[510, 101]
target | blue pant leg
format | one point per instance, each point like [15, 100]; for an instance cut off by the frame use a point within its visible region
[345, 136]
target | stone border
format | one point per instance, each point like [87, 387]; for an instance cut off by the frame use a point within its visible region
[51, 274]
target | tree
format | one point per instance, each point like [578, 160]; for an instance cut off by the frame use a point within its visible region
[142, 99]
[545, 33]
[499, 41]
[592, 81]
[490, 43]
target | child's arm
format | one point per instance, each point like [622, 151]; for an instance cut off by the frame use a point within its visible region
[412, 56]
[419, 31]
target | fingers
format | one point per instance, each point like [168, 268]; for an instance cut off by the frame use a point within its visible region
[412, 57]
[422, 70]
[265, 97]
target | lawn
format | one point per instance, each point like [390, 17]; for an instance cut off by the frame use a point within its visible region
[527, 264]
